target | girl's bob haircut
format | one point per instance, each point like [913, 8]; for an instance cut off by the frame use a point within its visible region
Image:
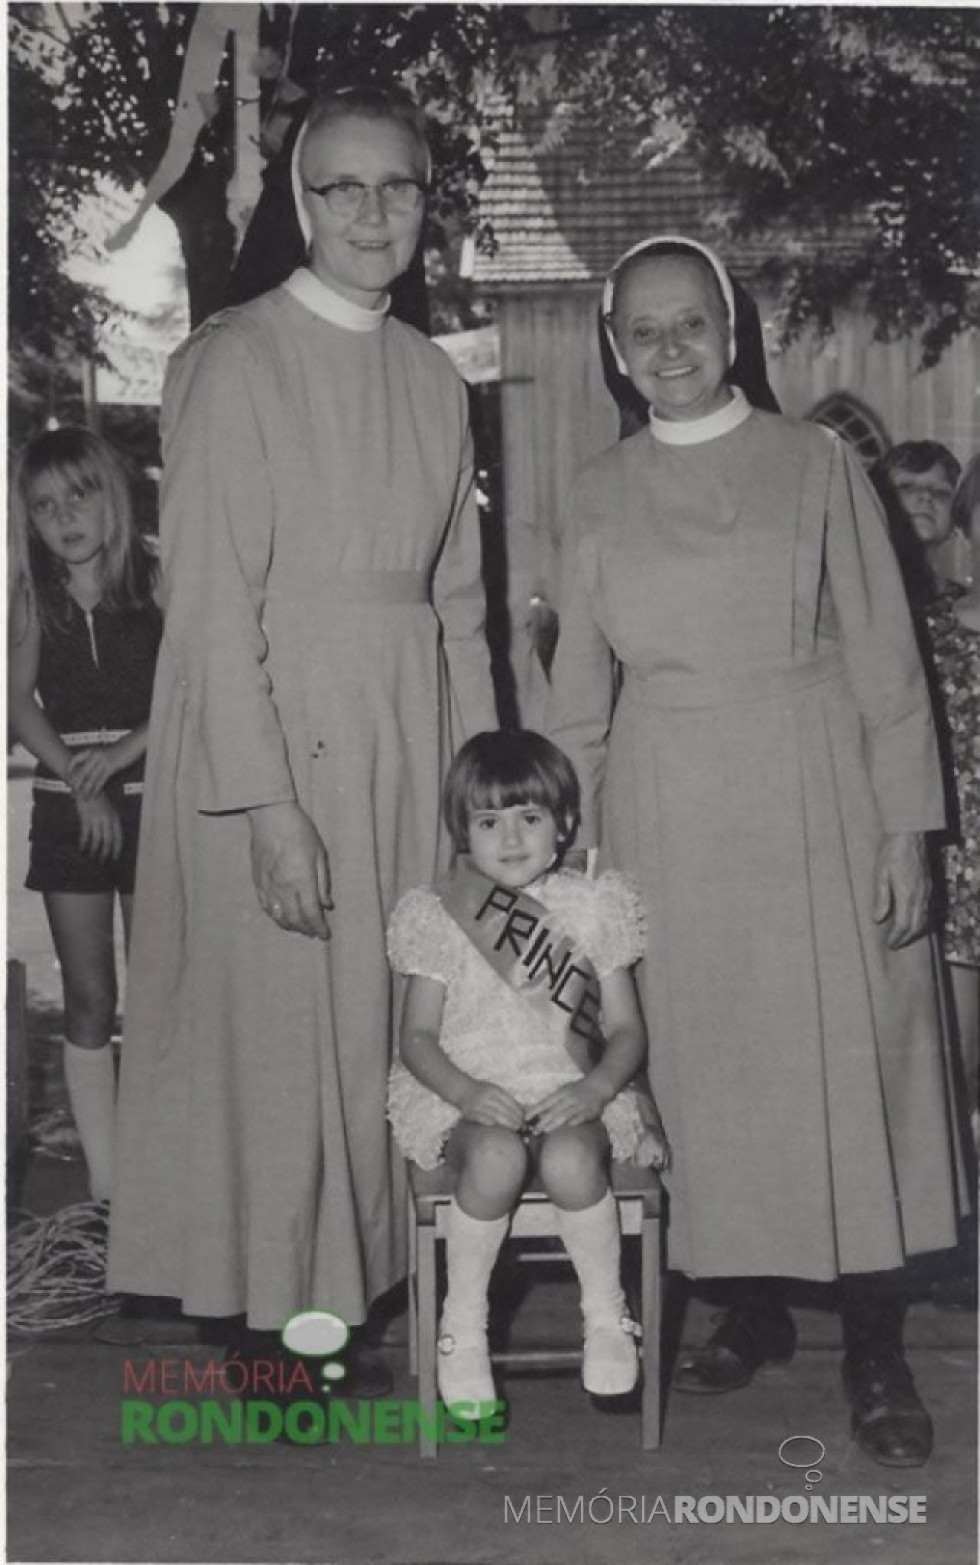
[494, 771]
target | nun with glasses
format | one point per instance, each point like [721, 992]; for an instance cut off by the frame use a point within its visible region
[737, 681]
[324, 653]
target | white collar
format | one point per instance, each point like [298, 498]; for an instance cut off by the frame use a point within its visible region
[693, 431]
[326, 302]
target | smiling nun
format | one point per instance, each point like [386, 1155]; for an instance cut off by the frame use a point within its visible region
[737, 682]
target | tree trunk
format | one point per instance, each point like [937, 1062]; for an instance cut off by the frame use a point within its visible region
[197, 205]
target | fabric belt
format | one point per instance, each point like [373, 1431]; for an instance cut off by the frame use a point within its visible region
[676, 692]
[55, 785]
[95, 736]
[363, 587]
[89, 736]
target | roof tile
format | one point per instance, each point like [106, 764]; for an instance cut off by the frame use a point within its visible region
[555, 219]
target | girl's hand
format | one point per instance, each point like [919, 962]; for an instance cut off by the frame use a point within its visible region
[486, 1104]
[902, 887]
[290, 869]
[100, 829]
[577, 1103]
[89, 770]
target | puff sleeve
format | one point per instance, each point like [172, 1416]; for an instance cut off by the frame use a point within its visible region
[619, 937]
[419, 937]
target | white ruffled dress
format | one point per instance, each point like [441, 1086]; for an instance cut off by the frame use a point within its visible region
[489, 1031]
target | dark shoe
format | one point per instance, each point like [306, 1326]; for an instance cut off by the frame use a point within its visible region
[153, 1319]
[367, 1376]
[888, 1420]
[955, 1293]
[744, 1340]
[259, 1357]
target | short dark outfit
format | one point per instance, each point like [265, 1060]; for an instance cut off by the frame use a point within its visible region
[95, 681]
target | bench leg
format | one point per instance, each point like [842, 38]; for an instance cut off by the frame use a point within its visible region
[425, 1277]
[651, 1287]
[413, 1285]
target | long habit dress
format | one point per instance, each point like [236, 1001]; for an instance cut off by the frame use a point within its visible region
[772, 722]
[324, 642]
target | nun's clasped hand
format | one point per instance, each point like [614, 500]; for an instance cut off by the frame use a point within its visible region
[290, 869]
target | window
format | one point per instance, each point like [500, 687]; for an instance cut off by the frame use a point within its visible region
[850, 418]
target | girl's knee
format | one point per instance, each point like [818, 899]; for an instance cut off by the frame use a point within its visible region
[573, 1164]
[493, 1150]
[491, 1166]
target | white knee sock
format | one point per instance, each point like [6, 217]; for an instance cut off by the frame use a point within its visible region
[472, 1247]
[609, 1363]
[463, 1370]
[591, 1237]
[91, 1079]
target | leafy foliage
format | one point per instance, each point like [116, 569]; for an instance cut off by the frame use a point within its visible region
[97, 97]
[856, 123]
[849, 135]
[48, 313]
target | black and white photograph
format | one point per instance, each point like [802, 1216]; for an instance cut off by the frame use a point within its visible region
[493, 783]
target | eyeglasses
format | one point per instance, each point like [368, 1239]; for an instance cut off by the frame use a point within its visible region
[348, 197]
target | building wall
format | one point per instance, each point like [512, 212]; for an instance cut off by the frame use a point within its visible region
[942, 403]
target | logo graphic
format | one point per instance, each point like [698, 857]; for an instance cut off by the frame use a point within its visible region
[255, 1402]
[800, 1457]
[317, 1334]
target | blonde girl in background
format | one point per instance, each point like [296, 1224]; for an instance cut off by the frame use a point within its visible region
[84, 633]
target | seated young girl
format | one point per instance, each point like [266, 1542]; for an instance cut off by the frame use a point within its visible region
[521, 1032]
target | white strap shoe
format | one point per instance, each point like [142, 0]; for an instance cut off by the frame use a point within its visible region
[463, 1371]
[610, 1363]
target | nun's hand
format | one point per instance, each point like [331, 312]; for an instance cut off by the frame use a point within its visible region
[290, 869]
[902, 887]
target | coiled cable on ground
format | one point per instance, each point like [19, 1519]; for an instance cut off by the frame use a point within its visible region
[56, 1269]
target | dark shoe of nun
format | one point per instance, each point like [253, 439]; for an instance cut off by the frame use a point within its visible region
[888, 1420]
[366, 1375]
[743, 1341]
[955, 1293]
